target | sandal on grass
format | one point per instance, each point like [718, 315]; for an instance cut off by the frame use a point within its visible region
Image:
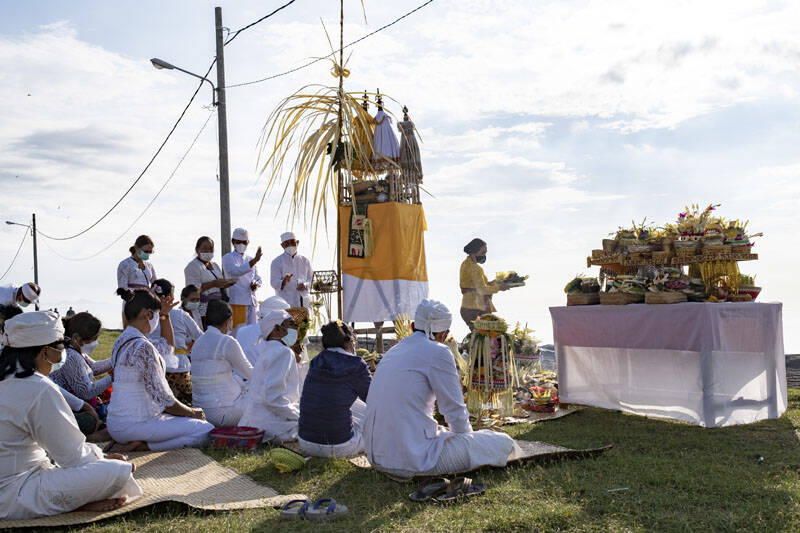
[295, 509]
[330, 511]
[460, 487]
[430, 490]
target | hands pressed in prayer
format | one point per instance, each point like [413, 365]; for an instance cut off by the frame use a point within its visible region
[298, 351]
[254, 286]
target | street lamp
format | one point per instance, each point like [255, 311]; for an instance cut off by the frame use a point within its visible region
[222, 123]
[32, 228]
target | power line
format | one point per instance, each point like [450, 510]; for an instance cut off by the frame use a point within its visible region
[317, 60]
[152, 159]
[152, 201]
[240, 30]
[24, 235]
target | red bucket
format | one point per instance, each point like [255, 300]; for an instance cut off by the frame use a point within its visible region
[236, 437]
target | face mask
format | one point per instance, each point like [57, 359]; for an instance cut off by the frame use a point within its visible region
[291, 338]
[24, 304]
[191, 306]
[89, 349]
[240, 248]
[60, 363]
[481, 259]
[291, 250]
[154, 321]
[206, 256]
[144, 256]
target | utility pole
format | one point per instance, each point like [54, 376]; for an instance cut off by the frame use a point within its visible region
[35, 255]
[222, 117]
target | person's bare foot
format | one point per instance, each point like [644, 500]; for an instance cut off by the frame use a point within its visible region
[99, 436]
[103, 506]
[135, 446]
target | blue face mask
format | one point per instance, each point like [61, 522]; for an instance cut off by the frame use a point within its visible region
[291, 338]
[23, 303]
[144, 256]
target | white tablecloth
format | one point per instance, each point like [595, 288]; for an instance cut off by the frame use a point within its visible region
[712, 364]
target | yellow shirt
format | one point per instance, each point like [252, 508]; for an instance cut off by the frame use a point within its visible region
[472, 277]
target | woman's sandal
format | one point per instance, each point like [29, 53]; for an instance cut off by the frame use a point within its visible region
[332, 510]
[435, 487]
[295, 510]
[460, 487]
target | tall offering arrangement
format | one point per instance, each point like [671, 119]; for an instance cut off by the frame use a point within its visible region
[492, 374]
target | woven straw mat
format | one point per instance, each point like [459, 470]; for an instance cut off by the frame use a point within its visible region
[188, 476]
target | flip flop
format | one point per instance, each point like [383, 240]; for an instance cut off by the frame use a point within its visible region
[331, 511]
[295, 510]
[460, 487]
[425, 492]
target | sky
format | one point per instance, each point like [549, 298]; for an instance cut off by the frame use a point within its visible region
[544, 125]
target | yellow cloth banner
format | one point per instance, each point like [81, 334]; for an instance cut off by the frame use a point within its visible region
[398, 234]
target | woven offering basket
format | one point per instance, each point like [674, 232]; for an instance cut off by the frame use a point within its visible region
[640, 248]
[752, 291]
[298, 313]
[609, 245]
[685, 245]
[665, 298]
[236, 437]
[583, 299]
[661, 258]
[620, 298]
[490, 325]
[597, 254]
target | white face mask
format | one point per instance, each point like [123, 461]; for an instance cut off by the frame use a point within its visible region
[291, 250]
[154, 321]
[191, 306]
[89, 348]
[291, 338]
[240, 248]
[60, 363]
[23, 303]
[206, 256]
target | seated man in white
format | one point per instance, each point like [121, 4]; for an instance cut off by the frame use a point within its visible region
[401, 436]
[215, 357]
[248, 336]
[273, 395]
[46, 466]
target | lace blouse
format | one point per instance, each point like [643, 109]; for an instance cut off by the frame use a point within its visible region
[78, 373]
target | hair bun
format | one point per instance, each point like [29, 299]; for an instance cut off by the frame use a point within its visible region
[125, 294]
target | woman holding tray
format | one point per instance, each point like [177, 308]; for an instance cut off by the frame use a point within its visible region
[476, 289]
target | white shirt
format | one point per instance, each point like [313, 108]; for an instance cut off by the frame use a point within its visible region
[185, 331]
[272, 402]
[196, 274]
[302, 272]
[130, 276]
[400, 432]
[215, 356]
[8, 295]
[236, 265]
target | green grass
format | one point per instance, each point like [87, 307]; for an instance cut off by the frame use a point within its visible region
[679, 478]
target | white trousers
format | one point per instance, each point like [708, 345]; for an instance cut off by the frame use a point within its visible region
[53, 491]
[352, 447]
[464, 452]
[164, 432]
[225, 416]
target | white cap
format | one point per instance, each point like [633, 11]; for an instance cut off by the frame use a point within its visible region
[37, 328]
[273, 303]
[432, 316]
[288, 236]
[273, 318]
[29, 293]
[240, 234]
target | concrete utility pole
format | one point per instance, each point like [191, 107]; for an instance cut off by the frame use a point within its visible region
[35, 255]
[222, 116]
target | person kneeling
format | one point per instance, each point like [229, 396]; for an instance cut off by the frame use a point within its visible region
[273, 397]
[332, 405]
[401, 436]
[46, 466]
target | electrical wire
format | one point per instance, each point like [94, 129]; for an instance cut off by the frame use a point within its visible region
[24, 235]
[317, 60]
[152, 201]
[141, 174]
[240, 30]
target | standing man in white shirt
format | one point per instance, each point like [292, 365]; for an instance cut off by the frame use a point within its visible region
[243, 267]
[291, 273]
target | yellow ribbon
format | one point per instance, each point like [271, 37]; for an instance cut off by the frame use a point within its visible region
[337, 71]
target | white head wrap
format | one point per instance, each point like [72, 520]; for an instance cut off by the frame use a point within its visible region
[273, 318]
[273, 303]
[240, 234]
[432, 316]
[29, 293]
[32, 329]
[288, 236]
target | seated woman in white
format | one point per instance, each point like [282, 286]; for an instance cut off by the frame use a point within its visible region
[80, 370]
[143, 414]
[401, 436]
[46, 466]
[273, 395]
[248, 336]
[215, 357]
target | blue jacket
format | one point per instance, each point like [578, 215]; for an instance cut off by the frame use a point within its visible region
[333, 383]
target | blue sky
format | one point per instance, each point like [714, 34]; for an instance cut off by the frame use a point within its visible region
[545, 125]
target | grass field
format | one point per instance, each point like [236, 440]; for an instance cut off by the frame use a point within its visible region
[677, 478]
